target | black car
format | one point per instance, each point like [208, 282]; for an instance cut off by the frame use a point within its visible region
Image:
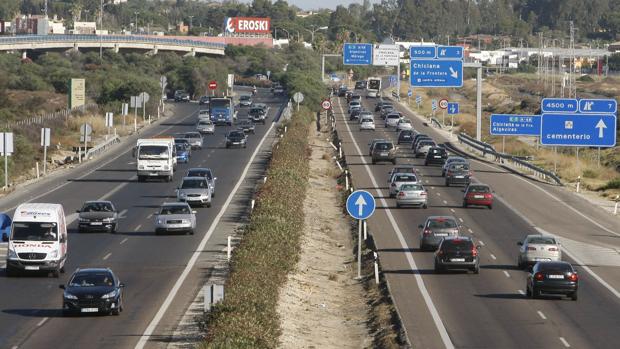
[181, 96]
[355, 113]
[405, 136]
[457, 253]
[554, 278]
[342, 91]
[436, 155]
[257, 114]
[458, 173]
[93, 290]
[236, 138]
[203, 100]
[247, 126]
[97, 216]
[380, 104]
[361, 85]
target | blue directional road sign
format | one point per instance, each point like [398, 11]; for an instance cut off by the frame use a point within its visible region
[436, 73]
[598, 106]
[417, 52]
[578, 130]
[453, 108]
[418, 99]
[409, 93]
[449, 52]
[515, 125]
[393, 80]
[360, 204]
[357, 54]
[559, 105]
[434, 104]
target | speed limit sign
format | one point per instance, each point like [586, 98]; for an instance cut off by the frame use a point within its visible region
[443, 103]
[326, 104]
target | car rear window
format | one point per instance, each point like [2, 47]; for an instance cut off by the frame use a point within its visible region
[425, 143]
[393, 116]
[479, 189]
[558, 267]
[457, 244]
[541, 240]
[441, 223]
[411, 187]
[384, 146]
[437, 151]
[367, 120]
[403, 170]
[404, 178]
[459, 167]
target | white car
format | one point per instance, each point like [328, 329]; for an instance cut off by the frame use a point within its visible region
[365, 114]
[399, 179]
[412, 195]
[537, 248]
[354, 104]
[367, 124]
[404, 124]
[205, 126]
[392, 119]
[203, 114]
[423, 147]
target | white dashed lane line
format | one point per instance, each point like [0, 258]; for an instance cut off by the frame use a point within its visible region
[107, 256]
[138, 227]
[493, 256]
[461, 219]
[506, 273]
[470, 231]
[42, 322]
[438, 194]
[564, 342]
[542, 316]
[481, 242]
[451, 210]
[124, 241]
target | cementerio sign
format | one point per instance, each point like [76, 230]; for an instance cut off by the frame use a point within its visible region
[248, 25]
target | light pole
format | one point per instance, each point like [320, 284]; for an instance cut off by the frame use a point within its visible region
[191, 21]
[136, 13]
[288, 35]
[313, 30]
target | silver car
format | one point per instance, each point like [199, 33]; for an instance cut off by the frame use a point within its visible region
[195, 191]
[205, 126]
[399, 179]
[412, 195]
[206, 173]
[422, 148]
[537, 248]
[404, 124]
[367, 124]
[195, 139]
[175, 217]
[449, 161]
[354, 104]
[435, 229]
[392, 119]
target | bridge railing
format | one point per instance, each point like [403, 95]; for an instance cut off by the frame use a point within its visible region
[18, 39]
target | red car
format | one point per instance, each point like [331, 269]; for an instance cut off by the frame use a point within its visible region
[478, 195]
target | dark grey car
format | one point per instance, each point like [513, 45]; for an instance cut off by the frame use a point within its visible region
[458, 173]
[435, 229]
[97, 216]
[457, 253]
[384, 152]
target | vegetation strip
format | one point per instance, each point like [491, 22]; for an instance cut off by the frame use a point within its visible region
[269, 250]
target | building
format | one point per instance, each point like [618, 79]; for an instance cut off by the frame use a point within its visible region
[84, 28]
[33, 25]
[182, 28]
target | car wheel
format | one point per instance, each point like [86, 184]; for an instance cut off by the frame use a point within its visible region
[10, 272]
[425, 206]
[208, 204]
[520, 263]
[573, 296]
[476, 269]
[115, 312]
[191, 232]
[374, 162]
[394, 162]
[490, 207]
[438, 268]
[528, 293]
[425, 163]
[114, 228]
[56, 273]
[447, 184]
[140, 178]
[535, 293]
[397, 205]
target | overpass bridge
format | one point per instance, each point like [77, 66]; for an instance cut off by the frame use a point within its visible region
[152, 44]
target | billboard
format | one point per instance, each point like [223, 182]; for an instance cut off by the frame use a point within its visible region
[237, 25]
[77, 93]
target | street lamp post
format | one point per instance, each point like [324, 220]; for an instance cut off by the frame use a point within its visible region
[191, 22]
[136, 13]
[313, 30]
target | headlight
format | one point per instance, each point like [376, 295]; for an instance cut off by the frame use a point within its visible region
[84, 220]
[160, 221]
[69, 295]
[184, 221]
[11, 254]
[182, 195]
[53, 254]
[109, 295]
[141, 167]
[108, 220]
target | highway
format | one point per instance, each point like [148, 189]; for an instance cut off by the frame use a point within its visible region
[149, 265]
[489, 310]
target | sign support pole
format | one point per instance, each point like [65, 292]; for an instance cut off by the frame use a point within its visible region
[503, 144]
[359, 249]
[398, 80]
[6, 161]
[135, 117]
[479, 104]
[45, 157]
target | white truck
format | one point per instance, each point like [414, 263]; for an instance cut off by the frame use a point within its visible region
[38, 239]
[156, 158]
[374, 88]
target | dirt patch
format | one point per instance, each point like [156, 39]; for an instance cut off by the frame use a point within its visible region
[321, 304]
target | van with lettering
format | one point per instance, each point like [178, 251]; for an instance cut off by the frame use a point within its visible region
[38, 240]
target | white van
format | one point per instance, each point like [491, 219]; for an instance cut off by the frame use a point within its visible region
[38, 240]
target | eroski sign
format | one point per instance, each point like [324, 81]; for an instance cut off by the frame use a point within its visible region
[248, 25]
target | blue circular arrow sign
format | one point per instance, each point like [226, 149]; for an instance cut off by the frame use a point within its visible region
[360, 204]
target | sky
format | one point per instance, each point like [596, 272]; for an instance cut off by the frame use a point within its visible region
[316, 4]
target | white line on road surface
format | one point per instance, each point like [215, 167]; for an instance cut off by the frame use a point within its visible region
[433, 188]
[438, 194]
[445, 202]
[564, 342]
[493, 256]
[124, 241]
[42, 322]
[451, 210]
[542, 316]
[138, 227]
[470, 231]
[461, 219]
[107, 256]
[192, 261]
[506, 273]
[122, 214]
[481, 242]
[521, 292]
[441, 328]
[150, 216]
[427, 181]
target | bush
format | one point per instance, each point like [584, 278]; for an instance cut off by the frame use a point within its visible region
[588, 173]
[612, 184]
[585, 78]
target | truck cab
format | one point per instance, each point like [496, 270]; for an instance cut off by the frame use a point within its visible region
[222, 111]
[156, 158]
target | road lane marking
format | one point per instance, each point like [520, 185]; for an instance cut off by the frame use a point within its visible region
[470, 231]
[506, 273]
[122, 214]
[443, 333]
[42, 322]
[138, 227]
[481, 242]
[438, 194]
[427, 181]
[461, 219]
[542, 316]
[192, 261]
[493, 256]
[433, 188]
[107, 256]
[150, 216]
[124, 241]
[451, 210]
[521, 292]
[564, 342]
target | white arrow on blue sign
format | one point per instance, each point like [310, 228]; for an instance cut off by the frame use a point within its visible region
[449, 52]
[578, 130]
[436, 73]
[598, 106]
[453, 108]
[360, 204]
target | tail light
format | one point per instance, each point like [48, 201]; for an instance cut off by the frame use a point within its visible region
[401, 194]
[423, 193]
[531, 248]
[573, 277]
[474, 251]
[553, 249]
[427, 231]
[470, 173]
[488, 196]
[539, 276]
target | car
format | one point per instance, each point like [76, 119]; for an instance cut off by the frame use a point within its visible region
[385, 110]
[205, 126]
[183, 153]
[401, 169]
[175, 217]
[404, 124]
[435, 229]
[423, 147]
[348, 95]
[367, 123]
[203, 114]
[458, 173]
[355, 113]
[181, 96]
[457, 253]
[538, 248]
[412, 194]
[399, 179]
[355, 97]
[203, 172]
[449, 161]
[245, 100]
[435, 155]
[417, 137]
[263, 106]
[552, 278]
[392, 119]
[246, 125]
[5, 226]
[195, 139]
[257, 114]
[382, 103]
[93, 291]
[361, 85]
[383, 152]
[354, 104]
[365, 114]
[478, 194]
[97, 216]
[405, 136]
[278, 90]
[180, 139]
[342, 91]
[195, 191]
[203, 100]
[236, 138]
[372, 144]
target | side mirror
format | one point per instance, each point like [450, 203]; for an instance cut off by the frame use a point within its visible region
[62, 287]
[421, 226]
[121, 285]
[156, 213]
[77, 211]
[215, 178]
[520, 243]
[5, 237]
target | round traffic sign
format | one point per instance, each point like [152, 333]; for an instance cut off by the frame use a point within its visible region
[298, 97]
[212, 85]
[360, 204]
[443, 103]
[326, 104]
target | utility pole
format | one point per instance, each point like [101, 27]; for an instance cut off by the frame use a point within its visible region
[572, 88]
[191, 18]
[100, 30]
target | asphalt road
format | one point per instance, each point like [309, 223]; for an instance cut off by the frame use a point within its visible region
[149, 265]
[488, 310]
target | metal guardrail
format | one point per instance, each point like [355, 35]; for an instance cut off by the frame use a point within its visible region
[18, 39]
[486, 148]
[436, 122]
[101, 147]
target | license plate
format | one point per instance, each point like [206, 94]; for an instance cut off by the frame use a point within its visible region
[437, 157]
[96, 223]
[479, 196]
[441, 234]
[153, 174]
[31, 267]
[542, 259]
[459, 176]
[89, 310]
[457, 260]
[555, 276]
[384, 154]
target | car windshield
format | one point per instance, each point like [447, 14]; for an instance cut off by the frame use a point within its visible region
[192, 135]
[452, 159]
[245, 98]
[384, 146]
[541, 240]
[404, 178]
[367, 120]
[194, 184]
[34, 231]
[426, 143]
[205, 123]
[180, 147]
[454, 245]
[403, 170]
[411, 187]
[235, 135]
[98, 207]
[478, 189]
[97, 279]
[174, 209]
[393, 116]
[152, 152]
[441, 223]
[405, 121]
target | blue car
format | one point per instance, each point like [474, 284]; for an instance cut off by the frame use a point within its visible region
[183, 153]
[5, 226]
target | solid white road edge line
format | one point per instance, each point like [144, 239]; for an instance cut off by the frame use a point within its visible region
[177, 285]
[493, 256]
[42, 322]
[124, 241]
[420, 282]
